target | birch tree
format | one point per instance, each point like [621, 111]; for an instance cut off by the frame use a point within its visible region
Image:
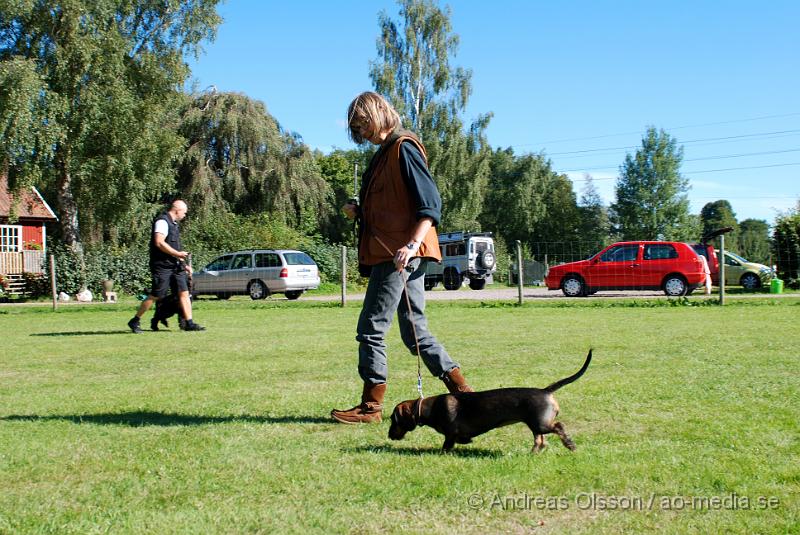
[414, 71]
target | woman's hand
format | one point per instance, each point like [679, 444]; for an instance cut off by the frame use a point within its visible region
[404, 254]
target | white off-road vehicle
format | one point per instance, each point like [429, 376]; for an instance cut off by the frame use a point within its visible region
[465, 255]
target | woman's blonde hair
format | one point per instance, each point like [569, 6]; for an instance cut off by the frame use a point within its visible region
[371, 111]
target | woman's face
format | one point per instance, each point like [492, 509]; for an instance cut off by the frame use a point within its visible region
[365, 128]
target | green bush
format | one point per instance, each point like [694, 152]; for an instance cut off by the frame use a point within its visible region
[786, 247]
[329, 259]
[127, 267]
[36, 285]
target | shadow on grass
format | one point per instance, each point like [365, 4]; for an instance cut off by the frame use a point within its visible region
[142, 419]
[83, 333]
[417, 452]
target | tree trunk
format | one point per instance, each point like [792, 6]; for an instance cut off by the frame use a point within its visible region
[68, 212]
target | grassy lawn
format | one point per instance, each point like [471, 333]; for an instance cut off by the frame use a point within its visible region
[227, 430]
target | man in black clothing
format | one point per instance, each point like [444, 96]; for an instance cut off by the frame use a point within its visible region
[168, 268]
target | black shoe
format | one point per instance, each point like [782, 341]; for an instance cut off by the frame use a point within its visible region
[135, 326]
[153, 324]
[192, 326]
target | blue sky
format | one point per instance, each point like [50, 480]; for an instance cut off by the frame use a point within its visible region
[579, 81]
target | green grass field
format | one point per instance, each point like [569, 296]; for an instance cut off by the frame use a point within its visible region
[686, 421]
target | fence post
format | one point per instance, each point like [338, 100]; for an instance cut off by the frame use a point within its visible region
[53, 280]
[722, 269]
[520, 274]
[344, 275]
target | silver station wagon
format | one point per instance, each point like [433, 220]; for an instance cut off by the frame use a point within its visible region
[257, 273]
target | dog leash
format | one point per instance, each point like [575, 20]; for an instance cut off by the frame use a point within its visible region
[411, 319]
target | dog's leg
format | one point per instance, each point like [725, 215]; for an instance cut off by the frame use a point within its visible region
[449, 442]
[558, 428]
[539, 443]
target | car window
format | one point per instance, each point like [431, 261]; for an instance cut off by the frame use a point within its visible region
[266, 260]
[242, 261]
[730, 261]
[455, 249]
[736, 257]
[621, 253]
[700, 249]
[298, 259]
[481, 246]
[220, 264]
[659, 251]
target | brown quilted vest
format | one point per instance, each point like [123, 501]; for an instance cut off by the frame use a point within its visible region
[389, 211]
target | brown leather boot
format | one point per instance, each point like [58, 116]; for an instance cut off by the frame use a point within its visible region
[455, 382]
[369, 411]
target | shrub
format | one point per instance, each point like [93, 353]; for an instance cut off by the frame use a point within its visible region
[786, 247]
[127, 267]
[35, 285]
[329, 259]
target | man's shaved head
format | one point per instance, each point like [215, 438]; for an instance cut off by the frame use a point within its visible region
[178, 209]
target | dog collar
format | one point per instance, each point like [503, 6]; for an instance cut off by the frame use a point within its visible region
[416, 411]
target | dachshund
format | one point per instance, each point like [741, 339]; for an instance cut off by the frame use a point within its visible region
[462, 416]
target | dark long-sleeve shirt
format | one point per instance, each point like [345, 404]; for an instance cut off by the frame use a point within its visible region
[420, 183]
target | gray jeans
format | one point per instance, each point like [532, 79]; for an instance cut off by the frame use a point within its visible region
[385, 296]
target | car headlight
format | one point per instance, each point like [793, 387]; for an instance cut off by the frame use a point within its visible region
[764, 270]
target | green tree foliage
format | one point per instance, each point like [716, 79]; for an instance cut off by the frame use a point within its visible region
[529, 202]
[93, 81]
[595, 226]
[414, 72]
[561, 223]
[514, 203]
[786, 246]
[754, 240]
[338, 169]
[239, 160]
[718, 214]
[651, 200]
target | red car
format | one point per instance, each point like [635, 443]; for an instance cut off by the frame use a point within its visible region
[673, 267]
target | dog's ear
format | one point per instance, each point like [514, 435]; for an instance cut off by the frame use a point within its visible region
[405, 416]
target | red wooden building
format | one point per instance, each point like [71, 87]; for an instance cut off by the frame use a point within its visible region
[23, 243]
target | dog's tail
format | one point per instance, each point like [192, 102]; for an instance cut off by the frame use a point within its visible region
[572, 378]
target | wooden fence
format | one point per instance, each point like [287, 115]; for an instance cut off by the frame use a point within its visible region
[22, 262]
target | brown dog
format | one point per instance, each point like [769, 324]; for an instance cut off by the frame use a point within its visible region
[462, 416]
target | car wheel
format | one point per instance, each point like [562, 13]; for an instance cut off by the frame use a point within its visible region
[293, 294]
[452, 279]
[257, 290]
[750, 281]
[477, 284]
[429, 284]
[675, 286]
[573, 286]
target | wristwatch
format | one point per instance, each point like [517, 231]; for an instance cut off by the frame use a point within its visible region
[411, 245]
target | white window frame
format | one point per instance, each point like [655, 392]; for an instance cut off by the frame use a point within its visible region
[7, 234]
